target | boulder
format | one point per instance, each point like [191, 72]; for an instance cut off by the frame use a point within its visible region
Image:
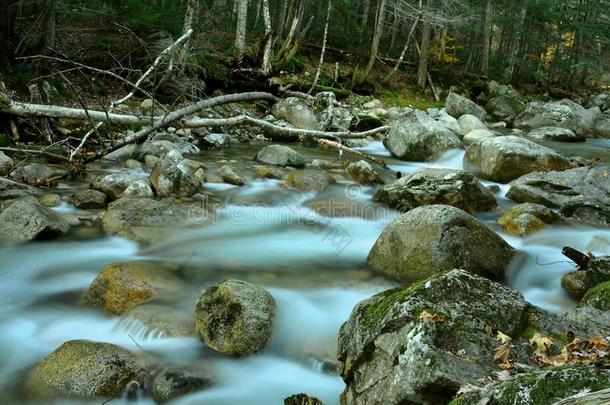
[558, 188]
[175, 382]
[32, 173]
[215, 141]
[504, 108]
[542, 387]
[309, 180]
[469, 123]
[235, 317]
[269, 172]
[539, 114]
[555, 134]
[574, 283]
[138, 189]
[280, 155]
[295, 111]
[231, 175]
[527, 218]
[51, 200]
[497, 89]
[302, 399]
[601, 127]
[122, 286]
[362, 172]
[457, 106]
[416, 136]
[26, 220]
[12, 189]
[88, 199]
[434, 239]
[437, 186]
[6, 164]
[478, 135]
[588, 211]
[81, 368]
[403, 345]
[172, 176]
[450, 123]
[505, 158]
[597, 297]
[113, 185]
[143, 218]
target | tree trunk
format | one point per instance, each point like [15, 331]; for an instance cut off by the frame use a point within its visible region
[365, 15]
[240, 34]
[514, 46]
[192, 8]
[266, 68]
[422, 67]
[486, 38]
[321, 63]
[376, 39]
[51, 25]
[281, 19]
[443, 45]
[404, 49]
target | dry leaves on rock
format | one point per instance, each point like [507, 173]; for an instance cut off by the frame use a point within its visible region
[502, 353]
[428, 317]
[593, 351]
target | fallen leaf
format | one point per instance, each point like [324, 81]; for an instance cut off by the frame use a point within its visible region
[540, 343]
[428, 317]
[502, 338]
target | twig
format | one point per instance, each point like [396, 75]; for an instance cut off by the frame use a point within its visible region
[341, 147]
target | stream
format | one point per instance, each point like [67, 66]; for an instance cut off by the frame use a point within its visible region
[314, 266]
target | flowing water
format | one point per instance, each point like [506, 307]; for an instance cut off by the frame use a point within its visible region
[314, 266]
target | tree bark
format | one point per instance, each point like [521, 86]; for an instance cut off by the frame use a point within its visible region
[404, 49]
[192, 8]
[424, 50]
[240, 34]
[509, 72]
[376, 39]
[266, 68]
[486, 38]
[321, 63]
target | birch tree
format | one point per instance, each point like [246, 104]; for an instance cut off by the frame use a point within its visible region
[240, 34]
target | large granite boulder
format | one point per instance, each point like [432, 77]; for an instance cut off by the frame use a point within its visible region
[26, 220]
[296, 111]
[457, 106]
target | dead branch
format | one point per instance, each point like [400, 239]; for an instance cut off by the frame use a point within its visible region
[43, 153]
[581, 259]
[587, 398]
[341, 147]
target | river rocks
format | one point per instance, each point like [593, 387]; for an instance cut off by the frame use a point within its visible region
[160, 320]
[555, 189]
[601, 127]
[215, 141]
[295, 111]
[26, 220]
[437, 186]
[479, 135]
[539, 114]
[235, 318]
[6, 164]
[525, 219]
[555, 134]
[231, 175]
[542, 388]
[416, 136]
[420, 344]
[88, 199]
[12, 189]
[142, 218]
[138, 189]
[505, 158]
[280, 155]
[362, 172]
[588, 211]
[449, 122]
[457, 106]
[574, 283]
[469, 123]
[309, 180]
[302, 399]
[598, 297]
[504, 108]
[32, 173]
[81, 368]
[269, 172]
[172, 176]
[437, 238]
[113, 185]
[147, 105]
[597, 271]
[120, 287]
[176, 382]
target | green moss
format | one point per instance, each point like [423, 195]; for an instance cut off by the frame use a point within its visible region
[598, 297]
[405, 98]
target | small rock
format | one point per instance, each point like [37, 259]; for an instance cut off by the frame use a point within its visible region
[322, 164]
[32, 173]
[457, 106]
[525, 219]
[362, 172]
[26, 220]
[310, 180]
[138, 189]
[270, 172]
[114, 184]
[172, 176]
[295, 111]
[231, 175]
[132, 164]
[478, 135]
[176, 382]
[280, 155]
[235, 318]
[88, 199]
[50, 200]
[574, 283]
[469, 123]
[120, 287]
[147, 105]
[216, 141]
[6, 164]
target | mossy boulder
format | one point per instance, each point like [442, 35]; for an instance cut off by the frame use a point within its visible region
[280, 155]
[437, 186]
[416, 136]
[506, 158]
[231, 175]
[26, 220]
[81, 368]
[235, 317]
[598, 297]
[504, 108]
[88, 199]
[438, 238]
[541, 388]
[122, 286]
[597, 271]
[527, 218]
[309, 180]
[574, 283]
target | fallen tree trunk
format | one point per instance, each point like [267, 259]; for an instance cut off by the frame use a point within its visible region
[341, 147]
[587, 398]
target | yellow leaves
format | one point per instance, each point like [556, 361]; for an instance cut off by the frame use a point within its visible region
[593, 351]
[540, 343]
[428, 317]
[502, 352]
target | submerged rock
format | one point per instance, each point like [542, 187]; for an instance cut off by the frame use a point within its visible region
[525, 219]
[26, 220]
[113, 185]
[231, 175]
[235, 317]
[280, 155]
[161, 319]
[506, 158]
[309, 180]
[81, 368]
[295, 111]
[435, 239]
[120, 287]
[437, 186]
[176, 382]
[457, 106]
[362, 172]
[88, 199]
[172, 176]
[416, 136]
